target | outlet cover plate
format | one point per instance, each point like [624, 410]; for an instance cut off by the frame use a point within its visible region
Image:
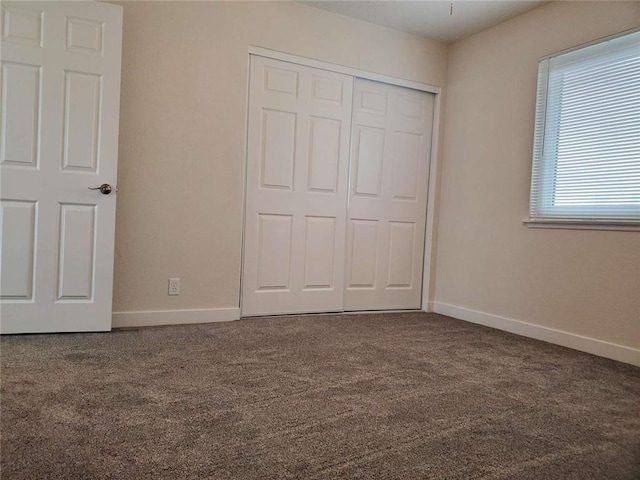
[174, 286]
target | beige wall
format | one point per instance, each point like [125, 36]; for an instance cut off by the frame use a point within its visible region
[584, 282]
[182, 154]
[184, 86]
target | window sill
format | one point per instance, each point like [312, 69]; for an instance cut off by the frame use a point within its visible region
[583, 224]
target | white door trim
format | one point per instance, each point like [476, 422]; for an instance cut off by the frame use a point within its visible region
[429, 239]
[426, 305]
[333, 67]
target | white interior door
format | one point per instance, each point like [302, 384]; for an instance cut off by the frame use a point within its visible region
[390, 156]
[297, 167]
[59, 135]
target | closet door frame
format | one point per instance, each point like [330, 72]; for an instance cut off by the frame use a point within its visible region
[434, 162]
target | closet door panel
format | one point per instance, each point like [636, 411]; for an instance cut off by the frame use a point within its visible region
[299, 124]
[390, 156]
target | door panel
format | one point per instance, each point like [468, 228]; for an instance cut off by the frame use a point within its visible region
[76, 254]
[21, 104]
[281, 79]
[81, 121]
[297, 167]
[18, 237]
[22, 25]
[324, 154]
[84, 35]
[362, 254]
[59, 133]
[319, 253]
[388, 196]
[369, 147]
[402, 238]
[274, 251]
[406, 163]
[278, 145]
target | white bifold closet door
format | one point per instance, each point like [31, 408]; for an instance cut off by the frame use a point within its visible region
[298, 158]
[390, 158]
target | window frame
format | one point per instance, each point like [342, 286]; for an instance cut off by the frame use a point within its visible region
[546, 168]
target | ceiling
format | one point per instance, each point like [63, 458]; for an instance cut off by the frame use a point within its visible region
[429, 18]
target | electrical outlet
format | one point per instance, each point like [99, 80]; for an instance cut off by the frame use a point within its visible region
[174, 286]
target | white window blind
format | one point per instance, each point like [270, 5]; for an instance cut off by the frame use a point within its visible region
[586, 158]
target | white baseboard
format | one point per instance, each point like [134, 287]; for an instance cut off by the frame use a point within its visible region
[546, 334]
[173, 317]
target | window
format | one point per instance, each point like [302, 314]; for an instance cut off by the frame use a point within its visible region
[586, 158]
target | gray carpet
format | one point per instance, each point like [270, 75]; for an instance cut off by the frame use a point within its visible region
[394, 396]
